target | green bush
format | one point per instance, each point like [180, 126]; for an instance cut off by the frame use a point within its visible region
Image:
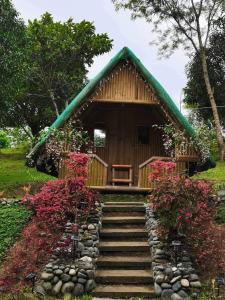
[220, 216]
[4, 140]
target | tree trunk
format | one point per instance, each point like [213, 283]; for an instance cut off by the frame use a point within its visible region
[51, 94]
[216, 118]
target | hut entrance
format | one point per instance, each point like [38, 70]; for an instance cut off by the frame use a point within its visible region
[121, 148]
[124, 136]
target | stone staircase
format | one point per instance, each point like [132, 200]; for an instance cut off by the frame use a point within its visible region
[124, 264]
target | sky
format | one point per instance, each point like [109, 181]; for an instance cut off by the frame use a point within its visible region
[136, 35]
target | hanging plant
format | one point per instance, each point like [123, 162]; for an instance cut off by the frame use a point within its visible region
[176, 142]
[71, 138]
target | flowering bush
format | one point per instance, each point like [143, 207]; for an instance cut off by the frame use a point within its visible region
[183, 207]
[56, 203]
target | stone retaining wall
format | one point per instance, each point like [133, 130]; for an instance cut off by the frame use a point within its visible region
[5, 201]
[62, 275]
[170, 280]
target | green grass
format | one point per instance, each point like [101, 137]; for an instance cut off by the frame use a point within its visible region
[215, 174]
[13, 219]
[14, 174]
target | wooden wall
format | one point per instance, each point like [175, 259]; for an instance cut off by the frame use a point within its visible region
[124, 84]
[122, 147]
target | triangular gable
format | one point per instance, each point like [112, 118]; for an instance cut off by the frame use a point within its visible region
[125, 84]
[124, 54]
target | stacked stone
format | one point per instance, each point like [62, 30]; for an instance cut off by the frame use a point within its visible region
[61, 276]
[221, 196]
[5, 201]
[172, 281]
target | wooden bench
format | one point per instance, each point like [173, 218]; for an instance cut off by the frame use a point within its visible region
[127, 168]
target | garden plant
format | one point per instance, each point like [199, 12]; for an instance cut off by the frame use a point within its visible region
[56, 203]
[185, 208]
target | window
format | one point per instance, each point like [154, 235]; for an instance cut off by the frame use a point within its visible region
[99, 137]
[143, 135]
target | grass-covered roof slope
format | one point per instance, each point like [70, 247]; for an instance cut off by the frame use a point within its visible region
[123, 54]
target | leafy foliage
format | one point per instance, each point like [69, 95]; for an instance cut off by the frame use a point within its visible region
[176, 141]
[12, 45]
[4, 140]
[57, 202]
[195, 91]
[183, 18]
[183, 206]
[57, 57]
[28, 255]
[13, 218]
[220, 216]
[72, 137]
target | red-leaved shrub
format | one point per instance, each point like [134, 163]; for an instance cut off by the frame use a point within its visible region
[56, 203]
[28, 255]
[184, 205]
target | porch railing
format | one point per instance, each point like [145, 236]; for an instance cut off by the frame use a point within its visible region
[97, 170]
[144, 170]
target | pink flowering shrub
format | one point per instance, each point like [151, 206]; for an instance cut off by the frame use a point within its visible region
[77, 164]
[183, 205]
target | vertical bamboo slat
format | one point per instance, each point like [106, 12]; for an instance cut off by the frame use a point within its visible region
[97, 170]
[127, 85]
[145, 170]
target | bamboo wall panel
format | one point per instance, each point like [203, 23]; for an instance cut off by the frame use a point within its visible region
[145, 171]
[97, 173]
[125, 84]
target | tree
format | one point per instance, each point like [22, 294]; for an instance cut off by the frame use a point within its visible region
[183, 22]
[12, 43]
[57, 57]
[195, 90]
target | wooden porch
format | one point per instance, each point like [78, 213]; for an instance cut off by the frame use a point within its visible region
[98, 174]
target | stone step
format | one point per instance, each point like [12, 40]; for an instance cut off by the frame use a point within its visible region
[123, 276]
[123, 220]
[125, 203]
[123, 232]
[132, 262]
[128, 246]
[123, 214]
[124, 291]
[123, 208]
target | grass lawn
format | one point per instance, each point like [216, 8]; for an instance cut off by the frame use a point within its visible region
[14, 174]
[13, 219]
[215, 174]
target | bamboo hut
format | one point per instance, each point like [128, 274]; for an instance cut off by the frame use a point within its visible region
[119, 108]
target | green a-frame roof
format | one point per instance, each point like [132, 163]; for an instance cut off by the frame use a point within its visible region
[123, 54]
